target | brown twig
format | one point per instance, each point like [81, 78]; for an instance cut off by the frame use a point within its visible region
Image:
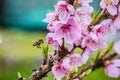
[44, 69]
[70, 1]
[103, 13]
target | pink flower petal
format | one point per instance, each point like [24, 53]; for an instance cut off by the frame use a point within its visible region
[116, 62]
[64, 16]
[59, 74]
[117, 22]
[50, 17]
[113, 28]
[115, 2]
[112, 71]
[103, 4]
[69, 47]
[112, 9]
[55, 45]
[117, 47]
[85, 58]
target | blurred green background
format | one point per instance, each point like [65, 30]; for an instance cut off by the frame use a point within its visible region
[20, 26]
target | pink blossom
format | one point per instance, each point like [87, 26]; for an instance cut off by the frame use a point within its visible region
[69, 31]
[83, 19]
[103, 27]
[85, 56]
[84, 1]
[51, 27]
[117, 47]
[117, 22]
[85, 9]
[90, 41]
[84, 33]
[83, 15]
[50, 40]
[59, 70]
[64, 11]
[110, 5]
[73, 61]
[51, 16]
[112, 69]
[70, 47]
[108, 26]
[93, 41]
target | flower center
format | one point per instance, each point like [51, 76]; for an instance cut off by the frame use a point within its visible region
[64, 6]
[66, 28]
[58, 65]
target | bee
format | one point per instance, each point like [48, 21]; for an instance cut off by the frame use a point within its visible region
[38, 43]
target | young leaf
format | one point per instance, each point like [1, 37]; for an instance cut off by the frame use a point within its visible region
[88, 71]
[76, 4]
[109, 48]
[96, 55]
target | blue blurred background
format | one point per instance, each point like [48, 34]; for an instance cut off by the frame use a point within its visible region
[20, 25]
[25, 13]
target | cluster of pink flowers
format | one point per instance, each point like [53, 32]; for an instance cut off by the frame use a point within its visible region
[72, 25]
[68, 64]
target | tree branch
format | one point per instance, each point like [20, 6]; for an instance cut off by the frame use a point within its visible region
[44, 69]
[94, 66]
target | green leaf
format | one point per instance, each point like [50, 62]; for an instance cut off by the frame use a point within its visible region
[76, 4]
[88, 71]
[45, 50]
[96, 15]
[72, 72]
[109, 48]
[49, 76]
[78, 50]
[64, 78]
[96, 55]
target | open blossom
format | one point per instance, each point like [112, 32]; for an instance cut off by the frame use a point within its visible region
[103, 27]
[50, 40]
[73, 61]
[83, 19]
[112, 69]
[85, 9]
[115, 24]
[108, 26]
[69, 31]
[64, 11]
[83, 15]
[110, 5]
[93, 41]
[59, 70]
[117, 47]
[51, 16]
